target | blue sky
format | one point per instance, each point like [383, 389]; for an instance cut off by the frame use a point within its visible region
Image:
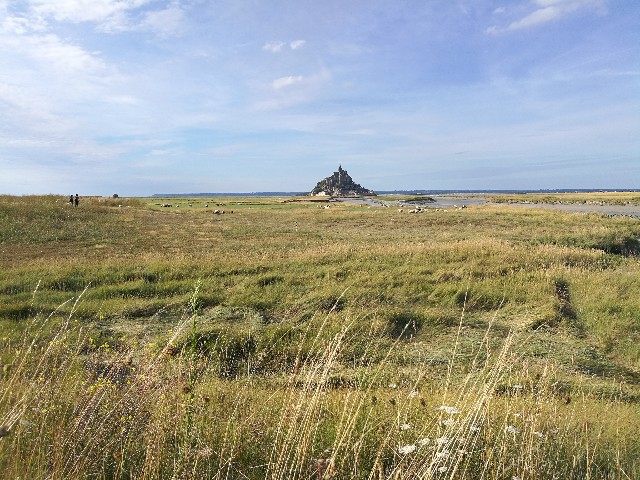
[137, 97]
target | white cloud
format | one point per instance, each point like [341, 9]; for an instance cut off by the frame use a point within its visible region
[288, 81]
[273, 47]
[546, 11]
[108, 15]
[14, 25]
[294, 90]
[277, 46]
[29, 112]
[542, 15]
[63, 56]
[84, 10]
[167, 22]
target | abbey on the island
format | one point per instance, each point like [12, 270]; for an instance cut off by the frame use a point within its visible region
[340, 184]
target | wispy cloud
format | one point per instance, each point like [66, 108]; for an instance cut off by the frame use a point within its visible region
[273, 47]
[73, 75]
[99, 11]
[545, 11]
[288, 81]
[294, 90]
[166, 23]
[278, 46]
[107, 15]
[63, 56]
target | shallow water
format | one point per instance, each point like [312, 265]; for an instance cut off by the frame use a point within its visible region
[610, 210]
[447, 201]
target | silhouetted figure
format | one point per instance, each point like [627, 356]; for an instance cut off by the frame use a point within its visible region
[76, 200]
[71, 200]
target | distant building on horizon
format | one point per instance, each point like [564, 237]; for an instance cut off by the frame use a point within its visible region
[340, 184]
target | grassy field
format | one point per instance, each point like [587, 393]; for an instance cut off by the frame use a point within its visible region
[297, 339]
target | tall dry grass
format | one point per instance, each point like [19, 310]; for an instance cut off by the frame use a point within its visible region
[74, 408]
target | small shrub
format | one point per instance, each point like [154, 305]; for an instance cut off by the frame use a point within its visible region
[404, 325]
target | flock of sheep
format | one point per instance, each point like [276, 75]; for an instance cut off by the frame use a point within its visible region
[216, 212]
[422, 210]
[325, 207]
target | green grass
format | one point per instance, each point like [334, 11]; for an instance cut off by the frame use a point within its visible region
[284, 340]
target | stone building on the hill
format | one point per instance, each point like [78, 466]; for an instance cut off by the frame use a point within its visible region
[340, 184]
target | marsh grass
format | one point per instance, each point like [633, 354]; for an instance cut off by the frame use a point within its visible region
[72, 409]
[319, 343]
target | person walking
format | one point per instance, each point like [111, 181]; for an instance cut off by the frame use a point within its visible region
[71, 199]
[76, 200]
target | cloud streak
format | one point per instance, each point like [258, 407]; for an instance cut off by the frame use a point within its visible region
[546, 11]
[277, 46]
[287, 81]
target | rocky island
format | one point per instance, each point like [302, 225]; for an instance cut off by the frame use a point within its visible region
[340, 184]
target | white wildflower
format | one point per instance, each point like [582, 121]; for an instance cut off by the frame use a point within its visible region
[423, 441]
[442, 469]
[443, 454]
[393, 385]
[474, 428]
[448, 422]
[447, 409]
[539, 434]
[413, 393]
[405, 426]
[442, 440]
[406, 449]
[511, 429]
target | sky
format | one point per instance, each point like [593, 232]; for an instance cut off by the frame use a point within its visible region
[137, 97]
